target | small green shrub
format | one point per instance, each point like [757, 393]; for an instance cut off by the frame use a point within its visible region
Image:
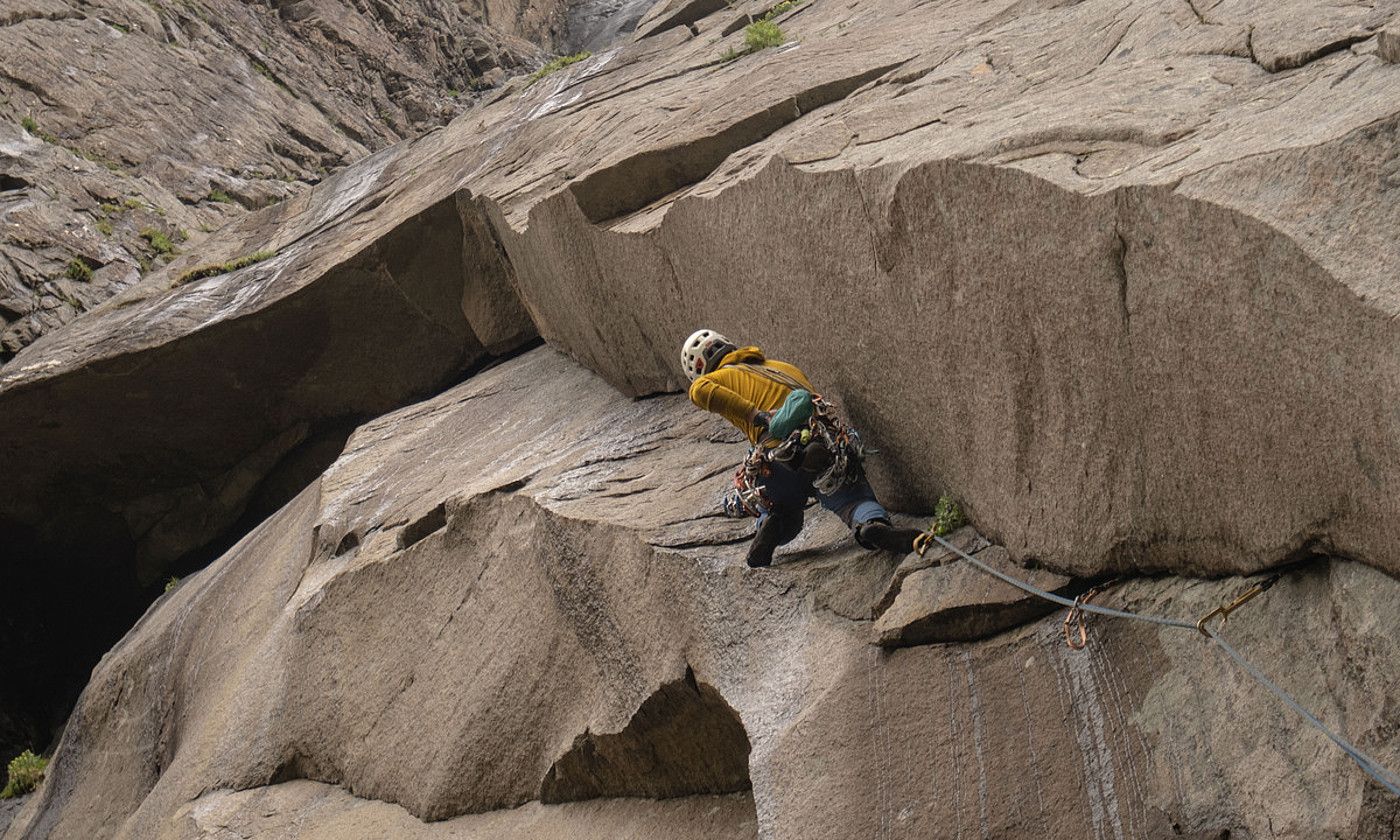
[31, 125]
[557, 64]
[947, 516]
[172, 583]
[220, 197]
[762, 34]
[104, 227]
[159, 241]
[78, 270]
[26, 772]
[759, 35]
[223, 268]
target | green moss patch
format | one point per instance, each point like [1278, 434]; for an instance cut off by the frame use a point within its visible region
[214, 270]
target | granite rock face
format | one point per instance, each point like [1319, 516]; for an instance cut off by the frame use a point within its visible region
[1118, 275]
[547, 609]
[173, 117]
[1143, 252]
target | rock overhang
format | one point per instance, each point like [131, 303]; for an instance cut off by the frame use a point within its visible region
[1022, 186]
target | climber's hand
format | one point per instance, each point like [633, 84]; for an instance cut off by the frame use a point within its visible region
[761, 421]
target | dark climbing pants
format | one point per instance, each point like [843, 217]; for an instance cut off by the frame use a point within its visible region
[788, 491]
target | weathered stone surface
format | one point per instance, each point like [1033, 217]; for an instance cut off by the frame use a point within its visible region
[1120, 276]
[1148, 268]
[958, 603]
[244, 380]
[8, 809]
[477, 588]
[1388, 43]
[176, 116]
[312, 811]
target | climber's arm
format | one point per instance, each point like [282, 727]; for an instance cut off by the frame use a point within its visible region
[713, 395]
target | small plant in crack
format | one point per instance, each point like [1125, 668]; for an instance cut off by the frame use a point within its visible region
[557, 64]
[159, 241]
[224, 268]
[947, 516]
[759, 35]
[78, 270]
[26, 772]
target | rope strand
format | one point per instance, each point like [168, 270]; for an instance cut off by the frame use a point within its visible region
[1374, 769]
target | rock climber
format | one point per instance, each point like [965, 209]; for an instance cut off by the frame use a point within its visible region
[800, 448]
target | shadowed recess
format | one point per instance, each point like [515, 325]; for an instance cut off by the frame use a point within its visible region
[683, 740]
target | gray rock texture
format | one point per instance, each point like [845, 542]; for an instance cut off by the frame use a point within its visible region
[177, 116]
[1120, 276]
[547, 604]
[1144, 253]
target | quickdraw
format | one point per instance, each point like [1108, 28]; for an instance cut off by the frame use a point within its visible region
[1224, 610]
[1075, 618]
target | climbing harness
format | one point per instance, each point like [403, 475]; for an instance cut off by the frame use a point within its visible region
[1384, 777]
[823, 427]
[1074, 619]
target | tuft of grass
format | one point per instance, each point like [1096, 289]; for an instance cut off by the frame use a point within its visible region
[104, 227]
[216, 269]
[220, 197]
[31, 125]
[947, 516]
[759, 35]
[26, 772]
[762, 34]
[557, 64]
[134, 204]
[78, 270]
[159, 241]
[172, 583]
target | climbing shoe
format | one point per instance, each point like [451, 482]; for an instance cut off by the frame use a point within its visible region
[760, 553]
[776, 529]
[886, 537]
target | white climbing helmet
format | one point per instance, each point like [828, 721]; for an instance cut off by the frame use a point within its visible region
[702, 351]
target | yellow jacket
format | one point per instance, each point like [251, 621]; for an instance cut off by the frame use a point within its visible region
[737, 394]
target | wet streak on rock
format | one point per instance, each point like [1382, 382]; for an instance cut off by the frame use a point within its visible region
[685, 739]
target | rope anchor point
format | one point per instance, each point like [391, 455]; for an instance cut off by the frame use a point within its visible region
[1224, 610]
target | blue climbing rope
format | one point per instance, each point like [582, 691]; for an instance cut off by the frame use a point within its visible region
[1384, 777]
